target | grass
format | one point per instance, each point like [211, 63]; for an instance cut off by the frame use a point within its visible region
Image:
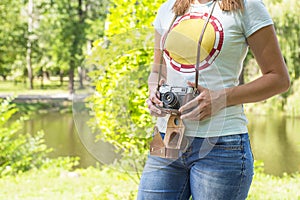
[268, 187]
[10, 86]
[50, 87]
[55, 183]
[107, 184]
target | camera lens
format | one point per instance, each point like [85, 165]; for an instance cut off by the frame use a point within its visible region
[170, 100]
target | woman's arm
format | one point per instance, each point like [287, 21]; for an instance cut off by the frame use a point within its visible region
[274, 80]
[153, 79]
[275, 77]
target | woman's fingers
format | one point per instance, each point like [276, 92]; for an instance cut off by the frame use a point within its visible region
[196, 109]
[153, 105]
[154, 98]
[200, 107]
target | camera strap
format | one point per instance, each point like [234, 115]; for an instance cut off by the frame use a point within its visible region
[198, 48]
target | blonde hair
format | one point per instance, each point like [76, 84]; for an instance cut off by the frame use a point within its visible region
[181, 6]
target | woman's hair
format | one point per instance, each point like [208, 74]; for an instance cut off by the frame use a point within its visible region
[181, 6]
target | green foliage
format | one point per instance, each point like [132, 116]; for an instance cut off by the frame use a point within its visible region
[121, 65]
[60, 163]
[292, 106]
[18, 153]
[60, 183]
[119, 106]
[287, 27]
[127, 15]
[106, 183]
[13, 42]
[265, 186]
[61, 32]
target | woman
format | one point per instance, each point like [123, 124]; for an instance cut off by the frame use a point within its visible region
[218, 163]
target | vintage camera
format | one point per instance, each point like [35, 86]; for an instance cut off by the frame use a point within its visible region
[174, 141]
[175, 97]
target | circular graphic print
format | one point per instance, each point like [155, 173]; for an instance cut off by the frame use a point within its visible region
[182, 42]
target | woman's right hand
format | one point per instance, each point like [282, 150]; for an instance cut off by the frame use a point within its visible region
[154, 103]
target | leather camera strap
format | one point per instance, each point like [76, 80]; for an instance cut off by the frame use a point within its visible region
[199, 47]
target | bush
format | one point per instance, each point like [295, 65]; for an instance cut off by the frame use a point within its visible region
[120, 110]
[18, 153]
[120, 65]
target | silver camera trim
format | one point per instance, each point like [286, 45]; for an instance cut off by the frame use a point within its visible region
[182, 94]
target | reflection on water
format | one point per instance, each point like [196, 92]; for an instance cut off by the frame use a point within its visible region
[60, 135]
[275, 140]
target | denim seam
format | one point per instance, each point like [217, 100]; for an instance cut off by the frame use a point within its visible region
[184, 187]
[232, 147]
[242, 168]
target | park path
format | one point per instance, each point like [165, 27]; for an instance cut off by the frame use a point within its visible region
[44, 97]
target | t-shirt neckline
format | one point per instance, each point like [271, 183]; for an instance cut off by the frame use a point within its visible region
[201, 4]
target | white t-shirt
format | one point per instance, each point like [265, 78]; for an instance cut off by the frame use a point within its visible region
[224, 50]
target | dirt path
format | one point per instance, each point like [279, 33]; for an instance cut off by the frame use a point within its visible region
[44, 97]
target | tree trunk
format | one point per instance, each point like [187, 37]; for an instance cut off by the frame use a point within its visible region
[81, 77]
[71, 78]
[77, 33]
[29, 42]
[42, 82]
[61, 77]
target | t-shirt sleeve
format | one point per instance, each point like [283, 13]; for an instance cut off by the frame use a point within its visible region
[157, 23]
[255, 17]
[164, 17]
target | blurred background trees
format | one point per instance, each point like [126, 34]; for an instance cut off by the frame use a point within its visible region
[48, 37]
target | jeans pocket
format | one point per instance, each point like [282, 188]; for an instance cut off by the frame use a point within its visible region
[229, 142]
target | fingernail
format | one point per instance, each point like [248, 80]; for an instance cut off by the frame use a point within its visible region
[159, 112]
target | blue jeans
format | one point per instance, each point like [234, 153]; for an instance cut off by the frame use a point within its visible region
[218, 168]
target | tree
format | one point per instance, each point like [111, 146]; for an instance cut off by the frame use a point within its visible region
[66, 29]
[288, 30]
[13, 42]
[29, 43]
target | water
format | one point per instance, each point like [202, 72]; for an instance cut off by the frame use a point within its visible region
[61, 135]
[275, 140]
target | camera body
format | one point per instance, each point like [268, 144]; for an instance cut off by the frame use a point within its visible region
[174, 97]
[174, 140]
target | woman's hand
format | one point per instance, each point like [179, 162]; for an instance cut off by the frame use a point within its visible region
[206, 104]
[154, 103]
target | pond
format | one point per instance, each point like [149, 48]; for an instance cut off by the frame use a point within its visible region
[275, 140]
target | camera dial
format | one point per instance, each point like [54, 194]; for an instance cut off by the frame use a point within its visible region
[170, 100]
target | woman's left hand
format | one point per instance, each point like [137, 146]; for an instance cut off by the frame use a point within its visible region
[206, 104]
